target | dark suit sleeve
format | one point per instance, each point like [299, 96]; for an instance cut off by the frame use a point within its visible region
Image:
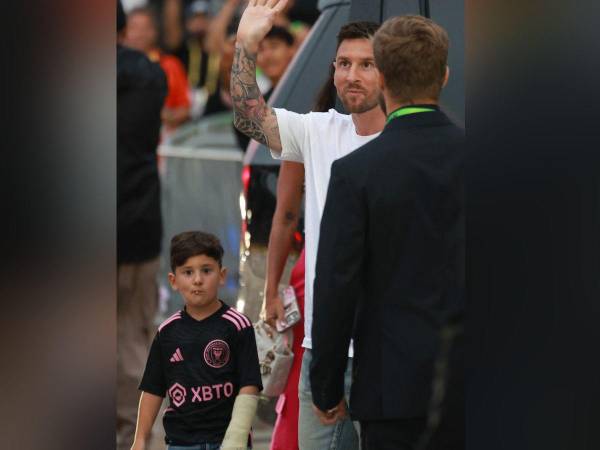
[338, 281]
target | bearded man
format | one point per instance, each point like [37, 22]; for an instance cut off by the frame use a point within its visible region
[315, 139]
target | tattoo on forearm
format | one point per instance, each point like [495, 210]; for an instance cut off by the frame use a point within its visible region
[252, 116]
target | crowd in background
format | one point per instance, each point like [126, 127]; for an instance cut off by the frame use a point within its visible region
[193, 42]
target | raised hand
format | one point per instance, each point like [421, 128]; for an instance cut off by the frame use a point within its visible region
[251, 114]
[257, 21]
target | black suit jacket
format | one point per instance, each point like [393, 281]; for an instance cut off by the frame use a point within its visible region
[389, 267]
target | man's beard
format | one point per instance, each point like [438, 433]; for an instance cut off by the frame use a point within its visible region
[357, 108]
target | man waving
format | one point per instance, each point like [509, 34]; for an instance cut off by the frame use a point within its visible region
[315, 139]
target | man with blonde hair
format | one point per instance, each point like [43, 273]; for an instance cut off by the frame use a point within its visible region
[392, 230]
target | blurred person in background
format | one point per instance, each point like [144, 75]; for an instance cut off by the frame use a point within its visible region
[290, 188]
[297, 28]
[142, 34]
[198, 41]
[275, 52]
[141, 91]
[220, 100]
[224, 44]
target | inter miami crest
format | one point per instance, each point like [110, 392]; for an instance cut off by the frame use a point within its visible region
[216, 353]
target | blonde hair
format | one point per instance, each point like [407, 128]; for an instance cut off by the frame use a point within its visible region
[412, 54]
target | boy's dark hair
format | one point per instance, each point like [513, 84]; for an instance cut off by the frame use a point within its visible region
[277, 32]
[357, 30]
[193, 243]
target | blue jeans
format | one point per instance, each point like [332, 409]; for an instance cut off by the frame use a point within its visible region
[312, 435]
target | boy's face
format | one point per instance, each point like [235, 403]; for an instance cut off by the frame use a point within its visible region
[198, 280]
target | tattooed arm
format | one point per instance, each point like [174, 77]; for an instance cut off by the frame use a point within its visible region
[251, 114]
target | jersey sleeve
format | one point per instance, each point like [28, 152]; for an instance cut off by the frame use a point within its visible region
[153, 380]
[247, 359]
[292, 132]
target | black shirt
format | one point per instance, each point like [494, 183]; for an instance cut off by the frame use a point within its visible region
[141, 90]
[201, 366]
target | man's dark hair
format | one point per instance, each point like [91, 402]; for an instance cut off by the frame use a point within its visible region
[277, 32]
[193, 243]
[357, 30]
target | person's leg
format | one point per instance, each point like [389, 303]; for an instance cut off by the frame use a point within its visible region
[402, 434]
[137, 299]
[312, 435]
[285, 431]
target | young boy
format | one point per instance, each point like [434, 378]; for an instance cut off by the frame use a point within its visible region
[203, 357]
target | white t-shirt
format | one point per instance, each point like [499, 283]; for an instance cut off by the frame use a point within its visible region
[315, 139]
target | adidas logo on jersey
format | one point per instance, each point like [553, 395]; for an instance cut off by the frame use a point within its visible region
[177, 356]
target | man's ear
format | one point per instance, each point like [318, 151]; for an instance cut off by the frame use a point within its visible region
[222, 276]
[446, 77]
[171, 277]
[381, 82]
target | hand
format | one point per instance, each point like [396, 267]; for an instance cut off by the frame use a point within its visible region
[257, 21]
[330, 417]
[274, 311]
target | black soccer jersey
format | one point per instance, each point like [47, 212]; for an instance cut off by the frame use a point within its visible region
[201, 366]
